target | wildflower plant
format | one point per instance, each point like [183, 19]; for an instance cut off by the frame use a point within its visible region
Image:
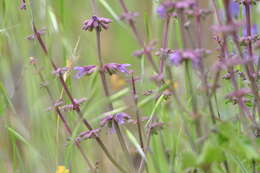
[182, 97]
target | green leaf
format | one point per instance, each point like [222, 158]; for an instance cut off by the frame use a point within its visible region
[136, 144]
[188, 159]
[158, 102]
[211, 153]
[17, 135]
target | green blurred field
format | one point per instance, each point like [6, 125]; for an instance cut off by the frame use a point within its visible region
[33, 140]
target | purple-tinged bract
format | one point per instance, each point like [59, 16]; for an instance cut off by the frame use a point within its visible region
[97, 23]
[112, 68]
[84, 70]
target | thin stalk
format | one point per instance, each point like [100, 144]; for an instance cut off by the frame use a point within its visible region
[107, 94]
[182, 108]
[193, 97]
[202, 68]
[135, 97]
[142, 163]
[248, 27]
[76, 107]
[164, 43]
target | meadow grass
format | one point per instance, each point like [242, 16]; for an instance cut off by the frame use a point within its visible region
[189, 112]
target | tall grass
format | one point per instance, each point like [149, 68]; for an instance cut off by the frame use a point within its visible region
[129, 86]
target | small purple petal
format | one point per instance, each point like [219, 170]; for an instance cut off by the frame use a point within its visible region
[84, 70]
[175, 58]
[234, 9]
[254, 30]
[161, 11]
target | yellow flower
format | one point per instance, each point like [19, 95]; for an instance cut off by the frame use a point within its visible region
[116, 82]
[62, 169]
[174, 84]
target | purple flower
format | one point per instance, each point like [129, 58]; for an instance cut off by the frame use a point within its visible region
[239, 93]
[84, 70]
[88, 135]
[23, 5]
[155, 127]
[148, 49]
[60, 70]
[161, 11]
[120, 118]
[70, 107]
[40, 32]
[254, 30]
[226, 28]
[175, 58]
[178, 56]
[234, 8]
[165, 9]
[97, 23]
[230, 62]
[129, 16]
[185, 4]
[112, 68]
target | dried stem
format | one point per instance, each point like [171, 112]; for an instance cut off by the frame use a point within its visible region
[135, 97]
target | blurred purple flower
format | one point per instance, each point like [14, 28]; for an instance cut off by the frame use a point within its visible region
[23, 5]
[161, 11]
[148, 49]
[239, 93]
[178, 56]
[120, 118]
[112, 68]
[88, 135]
[254, 30]
[129, 16]
[185, 4]
[165, 9]
[234, 8]
[230, 62]
[40, 32]
[175, 58]
[155, 127]
[70, 107]
[84, 70]
[226, 28]
[60, 70]
[97, 23]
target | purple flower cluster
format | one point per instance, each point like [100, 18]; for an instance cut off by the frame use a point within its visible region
[178, 56]
[88, 135]
[60, 70]
[97, 23]
[84, 70]
[165, 9]
[40, 32]
[119, 118]
[234, 8]
[254, 30]
[112, 68]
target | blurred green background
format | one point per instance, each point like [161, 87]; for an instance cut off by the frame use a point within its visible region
[32, 139]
